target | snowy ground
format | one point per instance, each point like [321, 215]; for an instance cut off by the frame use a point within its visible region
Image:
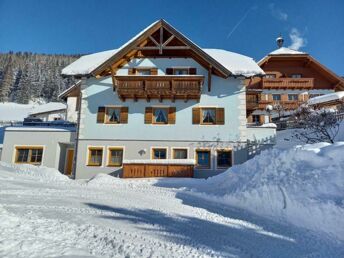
[44, 214]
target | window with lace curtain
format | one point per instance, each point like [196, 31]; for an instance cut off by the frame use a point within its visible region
[208, 115]
[160, 115]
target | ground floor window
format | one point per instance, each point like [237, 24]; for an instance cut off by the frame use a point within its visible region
[224, 158]
[180, 153]
[203, 159]
[293, 97]
[256, 119]
[95, 156]
[31, 155]
[115, 157]
[159, 153]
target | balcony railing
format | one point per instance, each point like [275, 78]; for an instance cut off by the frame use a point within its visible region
[286, 104]
[287, 83]
[158, 86]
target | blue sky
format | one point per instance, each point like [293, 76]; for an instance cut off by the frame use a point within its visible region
[247, 27]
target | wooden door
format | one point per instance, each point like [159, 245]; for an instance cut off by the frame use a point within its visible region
[69, 162]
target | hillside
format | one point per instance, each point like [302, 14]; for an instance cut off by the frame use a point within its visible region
[27, 76]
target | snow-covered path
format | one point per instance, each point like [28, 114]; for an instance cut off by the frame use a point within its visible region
[138, 218]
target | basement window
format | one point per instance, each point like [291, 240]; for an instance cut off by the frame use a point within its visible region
[224, 158]
[30, 155]
[115, 157]
[159, 153]
[95, 156]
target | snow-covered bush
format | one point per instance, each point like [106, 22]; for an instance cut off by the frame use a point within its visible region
[316, 125]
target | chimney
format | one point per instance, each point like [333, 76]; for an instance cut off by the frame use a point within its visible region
[279, 41]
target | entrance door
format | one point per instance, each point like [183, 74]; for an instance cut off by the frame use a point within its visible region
[69, 162]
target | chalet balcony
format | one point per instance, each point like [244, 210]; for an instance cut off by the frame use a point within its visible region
[158, 87]
[287, 104]
[287, 83]
[251, 105]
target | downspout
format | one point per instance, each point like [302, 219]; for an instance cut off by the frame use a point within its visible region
[76, 144]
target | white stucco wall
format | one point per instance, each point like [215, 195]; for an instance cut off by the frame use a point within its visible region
[227, 93]
[72, 114]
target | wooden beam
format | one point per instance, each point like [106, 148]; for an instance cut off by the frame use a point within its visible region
[147, 48]
[154, 41]
[113, 78]
[209, 78]
[168, 41]
[161, 39]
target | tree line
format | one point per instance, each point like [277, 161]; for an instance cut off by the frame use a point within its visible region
[26, 76]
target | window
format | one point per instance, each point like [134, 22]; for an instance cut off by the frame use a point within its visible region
[159, 153]
[115, 157]
[224, 158]
[31, 155]
[203, 159]
[160, 115]
[113, 115]
[208, 115]
[143, 71]
[296, 75]
[180, 71]
[293, 97]
[180, 153]
[276, 97]
[95, 156]
[256, 119]
[270, 76]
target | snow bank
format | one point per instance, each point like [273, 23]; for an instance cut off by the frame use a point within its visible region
[303, 185]
[38, 172]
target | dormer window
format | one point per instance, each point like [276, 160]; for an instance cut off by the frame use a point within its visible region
[143, 72]
[180, 71]
[296, 75]
[270, 75]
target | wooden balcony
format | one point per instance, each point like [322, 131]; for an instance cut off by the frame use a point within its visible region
[158, 87]
[287, 104]
[251, 105]
[287, 83]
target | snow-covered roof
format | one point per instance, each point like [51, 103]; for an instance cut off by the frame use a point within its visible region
[86, 64]
[286, 51]
[40, 128]
[237, 64]
[49, 107]
[10, 111]
[326, 98]
[67, 91]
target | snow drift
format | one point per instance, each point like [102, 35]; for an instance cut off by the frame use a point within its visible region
[303, 185]
[40, 173]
